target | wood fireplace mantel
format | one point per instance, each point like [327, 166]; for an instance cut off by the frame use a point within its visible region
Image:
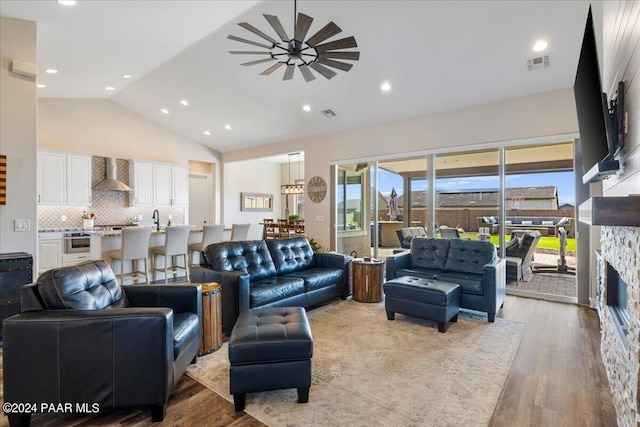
[623, 211]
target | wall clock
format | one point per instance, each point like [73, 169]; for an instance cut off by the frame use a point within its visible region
[316, 189]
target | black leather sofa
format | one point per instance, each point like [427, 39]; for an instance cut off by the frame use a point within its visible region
[472, 264]
[271, 273]
[81, 338]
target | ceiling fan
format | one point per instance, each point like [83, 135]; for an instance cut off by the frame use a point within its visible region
[314, 53]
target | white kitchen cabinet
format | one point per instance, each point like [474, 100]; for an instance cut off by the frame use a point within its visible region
[180, 186]
[162, 187]
[52, 178]
[49, 251]
[64, 179]
[75, 258]
[171, 185]
[141, 180]
[78, 179]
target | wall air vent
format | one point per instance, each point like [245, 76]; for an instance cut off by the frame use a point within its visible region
[538, 63]
[328, 113]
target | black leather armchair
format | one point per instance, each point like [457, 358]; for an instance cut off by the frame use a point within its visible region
[81, 338]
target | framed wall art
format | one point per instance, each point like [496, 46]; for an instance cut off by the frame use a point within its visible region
[257, 202]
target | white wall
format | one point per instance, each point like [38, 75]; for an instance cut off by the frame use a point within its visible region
[18, 135]
[621, 37]
[254, 176]
[542, 115]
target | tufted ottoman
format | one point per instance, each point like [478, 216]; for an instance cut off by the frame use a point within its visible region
[429, 299]
[270, 349]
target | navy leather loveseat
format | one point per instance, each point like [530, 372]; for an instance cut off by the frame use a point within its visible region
[474, 265]
[271, 273]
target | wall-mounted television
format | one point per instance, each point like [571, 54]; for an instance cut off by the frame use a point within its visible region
[597, 124]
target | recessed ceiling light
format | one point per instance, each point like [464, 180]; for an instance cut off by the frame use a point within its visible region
[206, 132]
[109, 88]
[306, 108]
[67, 2]
[540, 45]
[51, 71]
[164, 110]
[40, 85]
[385, 86]
[227, 127]
[184, 102]
[126, 76]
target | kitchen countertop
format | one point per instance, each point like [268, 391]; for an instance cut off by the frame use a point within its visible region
[105, 233]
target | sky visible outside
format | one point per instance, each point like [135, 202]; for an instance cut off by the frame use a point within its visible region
[564, 181]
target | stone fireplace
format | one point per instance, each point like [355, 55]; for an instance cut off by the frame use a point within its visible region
[620, 252]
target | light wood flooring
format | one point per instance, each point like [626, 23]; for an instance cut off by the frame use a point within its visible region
[557, 379]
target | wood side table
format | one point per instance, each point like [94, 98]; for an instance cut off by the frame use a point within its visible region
[367, 279]
[211, 318]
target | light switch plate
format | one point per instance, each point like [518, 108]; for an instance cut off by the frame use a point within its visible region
[22, 225]
[320, 218]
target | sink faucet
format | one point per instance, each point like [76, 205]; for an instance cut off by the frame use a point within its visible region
[156, 219]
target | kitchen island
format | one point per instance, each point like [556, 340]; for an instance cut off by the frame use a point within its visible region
[103, 241]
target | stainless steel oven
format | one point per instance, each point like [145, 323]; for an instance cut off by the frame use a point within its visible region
[77, 242]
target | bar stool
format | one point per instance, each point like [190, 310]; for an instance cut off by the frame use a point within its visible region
[239, 232]
[269, 231]
[175, 244]
[210, 234]
[134, 247]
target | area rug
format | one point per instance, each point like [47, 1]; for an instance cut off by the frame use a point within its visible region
[369, 371]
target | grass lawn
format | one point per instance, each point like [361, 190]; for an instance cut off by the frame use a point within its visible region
[545, 242]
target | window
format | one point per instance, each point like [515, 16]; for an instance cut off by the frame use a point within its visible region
[350, 200]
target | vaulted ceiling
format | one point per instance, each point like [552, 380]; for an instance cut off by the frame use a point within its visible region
[437, 55]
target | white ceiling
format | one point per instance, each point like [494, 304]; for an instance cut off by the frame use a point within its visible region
[438, 55]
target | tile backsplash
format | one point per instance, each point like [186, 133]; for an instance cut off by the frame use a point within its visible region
[109, 207]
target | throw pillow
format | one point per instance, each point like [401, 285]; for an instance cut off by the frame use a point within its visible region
[527, 222]
[507, 222]
[486, 220]
[563, 221]
[492, 220]
[547, 222]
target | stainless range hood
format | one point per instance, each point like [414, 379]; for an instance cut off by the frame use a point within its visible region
[111, 182]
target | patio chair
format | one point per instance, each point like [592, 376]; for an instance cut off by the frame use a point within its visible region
[519, 254]
[449, 233]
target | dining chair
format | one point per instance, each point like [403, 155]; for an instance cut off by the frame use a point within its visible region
[269, 230]
[298, 227]
[210, 234]
[283, 229]
[175, 245]
[134, 246]
[239, 232]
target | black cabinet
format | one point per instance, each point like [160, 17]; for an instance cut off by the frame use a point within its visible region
[16, 269]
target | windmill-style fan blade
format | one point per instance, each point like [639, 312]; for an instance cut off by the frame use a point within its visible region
[354, 56]
[302, 27]
[277, 26]
[259, 61]
[247, 52]
[306, 73]
[272, 69]
[345, 43]
[288, 73]
[335, 64]
[257, 32]
[324, 71]
[327, 31]
[238, 39]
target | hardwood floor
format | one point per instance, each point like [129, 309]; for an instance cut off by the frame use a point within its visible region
[557, 379]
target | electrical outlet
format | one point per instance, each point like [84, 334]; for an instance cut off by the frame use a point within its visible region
[63, 218]
[170, 217]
